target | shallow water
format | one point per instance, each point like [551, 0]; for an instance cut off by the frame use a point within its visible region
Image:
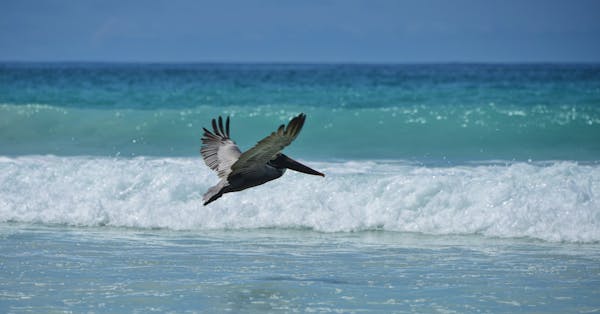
[57, 268]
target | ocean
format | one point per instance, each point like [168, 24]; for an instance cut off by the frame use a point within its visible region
[449, 188]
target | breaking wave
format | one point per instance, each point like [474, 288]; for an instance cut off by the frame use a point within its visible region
[554, 201]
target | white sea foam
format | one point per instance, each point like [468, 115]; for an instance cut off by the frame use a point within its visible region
[552, 202]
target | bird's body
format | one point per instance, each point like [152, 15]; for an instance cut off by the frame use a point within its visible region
[260, 164]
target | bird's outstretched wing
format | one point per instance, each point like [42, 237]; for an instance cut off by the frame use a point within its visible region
[218, 150]
[268, 148]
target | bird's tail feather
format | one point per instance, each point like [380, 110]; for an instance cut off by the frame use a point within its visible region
[215, 192]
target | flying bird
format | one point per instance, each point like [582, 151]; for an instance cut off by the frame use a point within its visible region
[260, 164]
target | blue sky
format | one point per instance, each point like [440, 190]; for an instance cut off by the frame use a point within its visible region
[300, 31]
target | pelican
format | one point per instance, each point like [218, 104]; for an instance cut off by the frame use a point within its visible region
[260, 164]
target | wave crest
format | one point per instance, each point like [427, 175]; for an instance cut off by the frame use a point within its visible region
[552, 202]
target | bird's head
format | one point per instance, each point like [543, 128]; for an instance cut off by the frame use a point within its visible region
[284, 162]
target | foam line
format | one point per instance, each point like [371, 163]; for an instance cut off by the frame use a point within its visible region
[553, 202]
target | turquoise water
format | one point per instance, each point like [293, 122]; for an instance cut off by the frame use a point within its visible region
[415, 112]
[448, 188]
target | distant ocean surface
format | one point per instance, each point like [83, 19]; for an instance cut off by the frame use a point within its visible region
[449, 188]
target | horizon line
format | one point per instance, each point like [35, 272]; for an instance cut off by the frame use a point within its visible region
[264, 62]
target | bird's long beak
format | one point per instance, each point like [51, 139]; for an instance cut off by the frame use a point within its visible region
[296, 166]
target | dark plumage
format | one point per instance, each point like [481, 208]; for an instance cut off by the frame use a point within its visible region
[262, 163]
